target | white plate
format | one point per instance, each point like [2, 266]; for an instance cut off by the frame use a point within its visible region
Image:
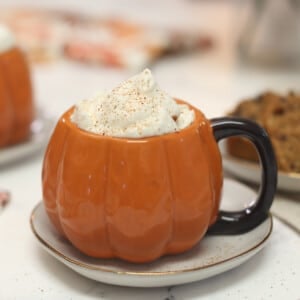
[40, 132]
[213, 255]
[251, 172]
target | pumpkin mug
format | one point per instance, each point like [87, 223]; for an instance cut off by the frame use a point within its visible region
[16, 99]
[139, 199]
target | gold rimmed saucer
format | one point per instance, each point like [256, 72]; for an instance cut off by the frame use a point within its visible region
[213, 255]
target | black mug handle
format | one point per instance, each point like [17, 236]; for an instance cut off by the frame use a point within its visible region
[242, 221]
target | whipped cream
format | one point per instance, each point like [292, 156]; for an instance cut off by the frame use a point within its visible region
[136, 108]
[7, 40]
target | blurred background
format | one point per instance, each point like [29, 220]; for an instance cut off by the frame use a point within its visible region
[210, 53]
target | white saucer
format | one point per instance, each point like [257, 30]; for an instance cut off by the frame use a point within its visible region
[213, 255]
[251, 172]
[40, 133]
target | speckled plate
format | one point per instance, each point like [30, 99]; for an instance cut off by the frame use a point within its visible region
[40, 132]
[213, 255]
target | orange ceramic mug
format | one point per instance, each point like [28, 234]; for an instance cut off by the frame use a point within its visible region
[16, 100]
[139, 199]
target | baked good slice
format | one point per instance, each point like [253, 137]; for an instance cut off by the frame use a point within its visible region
[280, 116]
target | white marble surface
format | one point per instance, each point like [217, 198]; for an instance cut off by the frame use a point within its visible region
[214, 82]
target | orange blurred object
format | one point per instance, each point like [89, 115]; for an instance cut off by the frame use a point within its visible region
[16, 100]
